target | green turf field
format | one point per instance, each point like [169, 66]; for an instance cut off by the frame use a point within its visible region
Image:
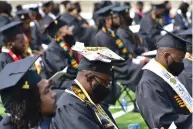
[129, 118]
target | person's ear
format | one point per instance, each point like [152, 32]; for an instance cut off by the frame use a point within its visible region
[166, 56]
[10, 44]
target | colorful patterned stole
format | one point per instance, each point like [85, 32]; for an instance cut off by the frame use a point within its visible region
[13, 56]
[66, 49]
[28, 52]
[123, 52]
[100, 114]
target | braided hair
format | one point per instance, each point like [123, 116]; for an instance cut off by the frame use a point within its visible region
[24, 107]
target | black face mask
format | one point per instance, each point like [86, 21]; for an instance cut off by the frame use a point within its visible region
[176, 67]
[100, 92]
[69, 39]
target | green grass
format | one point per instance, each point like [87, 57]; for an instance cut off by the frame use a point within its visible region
[129, 118]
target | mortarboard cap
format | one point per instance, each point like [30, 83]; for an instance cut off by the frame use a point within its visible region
[23, 14]
[47, 3]
[98, 59]
[106, 11]
[171, 40]
[17, 74]
[121, 9]
[11, 29]
[158, 5]
[54, 26]
[186, 32]
[34, 9]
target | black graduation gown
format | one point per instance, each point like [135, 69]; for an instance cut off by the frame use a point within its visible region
[148, 31]
[186, 76]
[131, 41]
[125, 72]
[72, 113]
[81, 34]
[35, 43]
[5, 58]
[56, 59]
[179, 22]
[157, 105]
[137, 18]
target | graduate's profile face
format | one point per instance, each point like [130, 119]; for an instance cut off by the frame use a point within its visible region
[18, 45]
[48, 97]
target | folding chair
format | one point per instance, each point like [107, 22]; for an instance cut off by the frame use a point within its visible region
[127, 90]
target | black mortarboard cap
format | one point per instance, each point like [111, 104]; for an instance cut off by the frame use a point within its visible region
[106, 11]
[121, 9]
[47, 3]
[17, 74]
[187, 32]
[158, 6]
[54, 26]
[23, 14]
[97, 66]
[11, 29]
[97, 59]
[34, 9]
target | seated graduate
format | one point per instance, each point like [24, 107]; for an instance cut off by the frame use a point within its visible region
[131, 40]
[32, 39]
[81, 30]
[181, 20]
[14, 41]
[59, 55]
[138, 12]
[185, 76]
[161, 97]
[79, 107]
[148, 31]
[25, 95]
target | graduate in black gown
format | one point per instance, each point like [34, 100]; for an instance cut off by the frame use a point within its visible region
[15, 44]
[48, 16]
[78, 107]
[31, 30]
[186, 76]
[181, 20]
[59, 56]
[131, 40]
[139, 12]
[148, 30]
[107, 37]
[158, 102]
[25, 95]
[81, 30]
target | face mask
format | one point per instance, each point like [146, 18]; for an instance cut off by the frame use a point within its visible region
[176, 67]
[69, 39]
[100, 92]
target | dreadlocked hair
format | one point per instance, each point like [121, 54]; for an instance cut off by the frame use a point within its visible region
[25, 110]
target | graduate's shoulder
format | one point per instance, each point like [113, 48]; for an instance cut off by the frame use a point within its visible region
[150, 79]
[69, 102]
[4, 123]
[4, 56]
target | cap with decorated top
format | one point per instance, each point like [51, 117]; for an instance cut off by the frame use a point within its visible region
[98, 59]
